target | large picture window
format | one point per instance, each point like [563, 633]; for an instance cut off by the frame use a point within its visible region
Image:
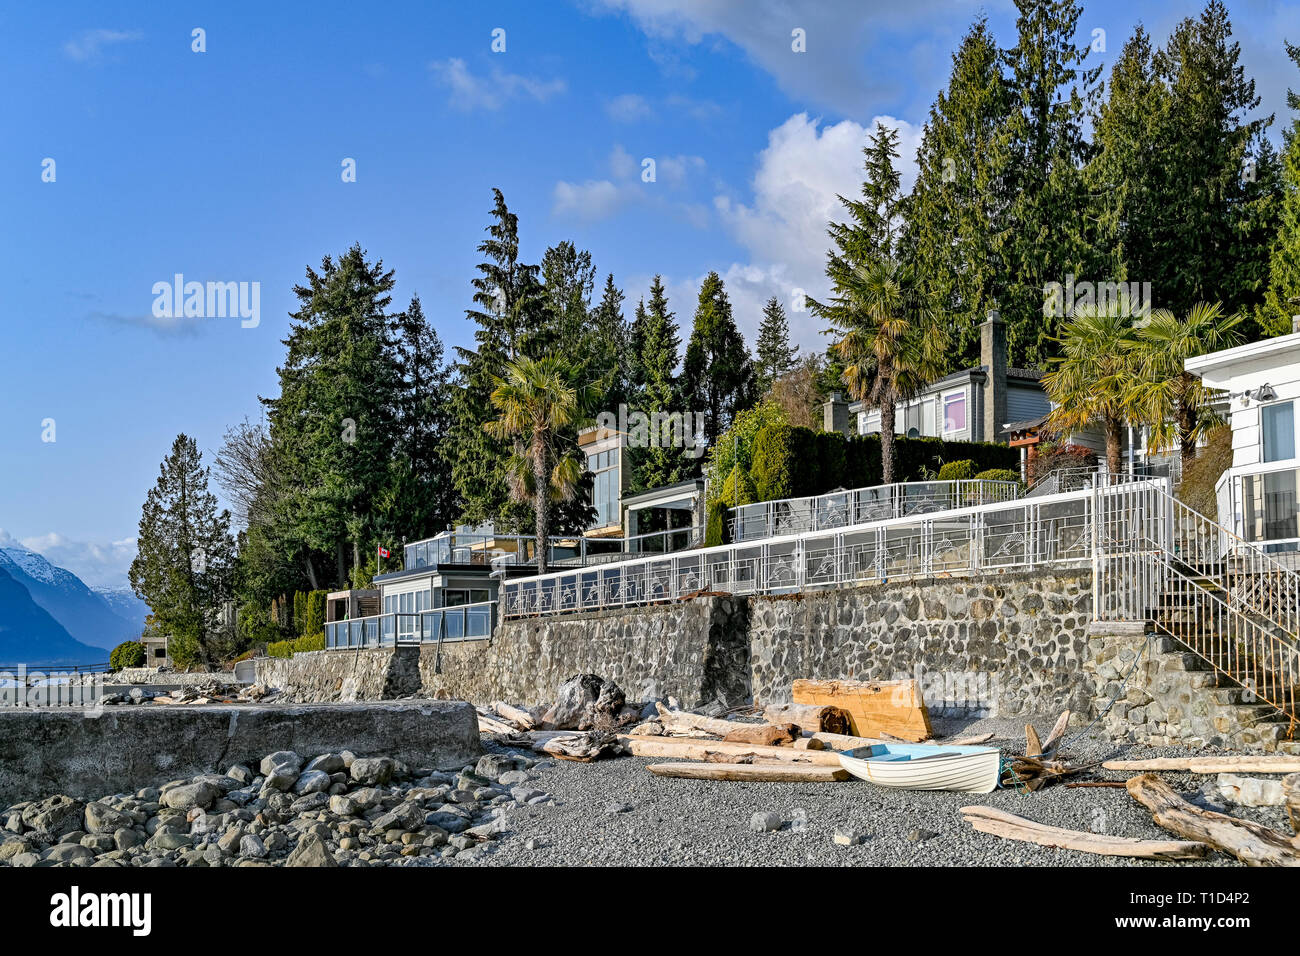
[1277, 431]
[1270, 506]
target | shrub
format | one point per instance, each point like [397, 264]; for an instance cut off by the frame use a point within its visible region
[962, 470]
[183, 649]
[126, 654]
[998, 474]
[915, 456]
[314, 620]
[738, 489]
[773, 468]
[299, 645]
[1200, 475]
[1053, 458]
[715, 527]
[736, 444]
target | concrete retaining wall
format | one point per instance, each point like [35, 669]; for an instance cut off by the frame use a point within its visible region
[126, 748]
[345, 675]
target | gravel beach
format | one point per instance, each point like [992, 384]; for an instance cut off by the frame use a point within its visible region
[612, 812]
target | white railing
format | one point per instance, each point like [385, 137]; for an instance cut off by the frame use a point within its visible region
[1020, 534]
[771, 519]
[1221, 597]
[464, 622]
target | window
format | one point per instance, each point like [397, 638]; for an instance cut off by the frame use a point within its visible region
[605, 488]
[1277, 431]
[954, 413]
[1270, 506]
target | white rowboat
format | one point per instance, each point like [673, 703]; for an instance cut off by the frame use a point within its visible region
[926, 767]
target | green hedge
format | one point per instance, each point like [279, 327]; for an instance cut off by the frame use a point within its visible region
[126, 654]
[313, 642]
[917, 457]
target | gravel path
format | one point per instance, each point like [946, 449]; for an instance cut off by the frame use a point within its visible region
[613, 812]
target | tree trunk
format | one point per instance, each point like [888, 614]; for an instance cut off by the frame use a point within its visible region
[311, 572]
[887, 443]
[542, 506]
[1186, 440]
[1114, 451]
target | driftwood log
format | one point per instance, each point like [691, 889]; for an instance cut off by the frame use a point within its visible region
[1011, 827]
[1291, 789]
[1251, 843]
[753, 772]
[770, 734]
[686, 749]
[515, 715]
[813, 718]
[1210, 764]
[682, 721]
[487, 724]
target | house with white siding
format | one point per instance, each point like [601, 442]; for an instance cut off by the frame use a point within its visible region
[1257, 495]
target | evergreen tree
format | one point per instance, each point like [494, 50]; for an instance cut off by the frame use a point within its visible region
[775, 354]
[568, 279]
[1282, 299]
[956, 216]
[612, 345]
[718, 373]
[1220, 181]
[870, 231]
[424, 500]
[657, 465]
[335, 424]
[512, 321]
[184, 569]
[636, 337]
[1051, 94]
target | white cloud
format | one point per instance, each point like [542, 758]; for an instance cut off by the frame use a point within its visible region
[491, 92]
[796, 188]
[87, 46]
[837, 69]
[629, 108]
[99, 564]
[596, 199]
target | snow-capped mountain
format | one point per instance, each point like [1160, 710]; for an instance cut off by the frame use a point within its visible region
[125, 605]
[30, 635]
[85, 615]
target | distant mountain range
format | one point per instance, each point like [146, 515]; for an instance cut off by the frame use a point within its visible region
[30, 635]
[100, 619]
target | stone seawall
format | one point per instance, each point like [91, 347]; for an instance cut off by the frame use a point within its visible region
[992, 646]
[126, 748]
[696, 651]
[380, 673]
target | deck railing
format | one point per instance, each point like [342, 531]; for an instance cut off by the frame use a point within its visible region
[464, 622]
[771, 519]
[1001, 535]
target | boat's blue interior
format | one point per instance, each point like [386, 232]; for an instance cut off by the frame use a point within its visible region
[899, 752]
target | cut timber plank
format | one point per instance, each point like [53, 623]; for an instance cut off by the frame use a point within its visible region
[1210, 764]
[809, 717]
[754, 772]
[684, 749]
[1251, 843]
[892, 707]
[1011, 827]
[770, 734]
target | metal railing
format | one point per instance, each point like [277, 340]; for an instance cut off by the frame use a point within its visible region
[771, 519]
[1003, 535]
[464, 622]
[1222, 598]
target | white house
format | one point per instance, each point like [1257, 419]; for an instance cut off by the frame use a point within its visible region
[1257, 495]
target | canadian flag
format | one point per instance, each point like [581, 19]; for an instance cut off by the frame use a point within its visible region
[383, 552]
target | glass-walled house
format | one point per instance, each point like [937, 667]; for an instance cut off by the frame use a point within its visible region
[1257, 495]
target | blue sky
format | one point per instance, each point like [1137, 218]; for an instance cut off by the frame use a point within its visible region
[225, 166]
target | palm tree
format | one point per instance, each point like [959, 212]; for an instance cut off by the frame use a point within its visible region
[1093, 380]
[1173, 402]
[888, 338]
[538, 404]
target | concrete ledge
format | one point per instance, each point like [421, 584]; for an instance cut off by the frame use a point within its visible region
[44, 752]
[1118, 628]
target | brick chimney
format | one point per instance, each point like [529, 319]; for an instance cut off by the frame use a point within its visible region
[835, 414]
[993, 356]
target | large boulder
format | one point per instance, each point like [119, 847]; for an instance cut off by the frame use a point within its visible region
[190, 795]
[371, 770]
[58, 814]
[311, 851]
[585, 702]
[101, 818]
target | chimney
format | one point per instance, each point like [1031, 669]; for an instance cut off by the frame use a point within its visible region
[835, 414]
[993, 356]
